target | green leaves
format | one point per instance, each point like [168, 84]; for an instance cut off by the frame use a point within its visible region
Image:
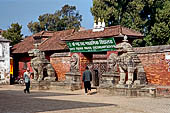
[114, 12]
[13, 33]
[150, 17]
[160, 31]
[66, 18]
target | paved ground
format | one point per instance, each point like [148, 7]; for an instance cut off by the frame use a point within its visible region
[13, 100]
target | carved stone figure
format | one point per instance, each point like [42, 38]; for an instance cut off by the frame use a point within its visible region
[112, 63]
[74, 63]
[73, 78]
[126, 64]
[42, 68]
[129, 64]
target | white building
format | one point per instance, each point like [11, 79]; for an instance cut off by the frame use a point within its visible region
[4, 61]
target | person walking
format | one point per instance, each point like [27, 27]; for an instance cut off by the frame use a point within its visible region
[27, 80]
[87, 77]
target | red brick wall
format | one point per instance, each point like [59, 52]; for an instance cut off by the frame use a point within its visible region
[84, 59]
[21, 63]
[156, 68]
[61, 66]
[155, 65]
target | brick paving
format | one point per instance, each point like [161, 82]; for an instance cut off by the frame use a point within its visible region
[13, 100]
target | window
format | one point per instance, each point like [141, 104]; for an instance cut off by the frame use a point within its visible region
[1, 50]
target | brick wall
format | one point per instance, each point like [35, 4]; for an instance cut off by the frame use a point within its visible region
[152, 58]
[61, 64]
[84, 59]
[24, 62]
[155, 64]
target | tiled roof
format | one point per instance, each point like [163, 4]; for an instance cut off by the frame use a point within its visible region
[55, 43]
[56, 40]
[44, 34]
[107, 32]
[24, 46]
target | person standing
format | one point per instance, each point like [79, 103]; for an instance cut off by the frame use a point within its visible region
[87, 77]
[27, 80]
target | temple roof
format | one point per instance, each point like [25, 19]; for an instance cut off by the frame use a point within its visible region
[51, 40]
[55, 43]
[24, 46]
[113, 31]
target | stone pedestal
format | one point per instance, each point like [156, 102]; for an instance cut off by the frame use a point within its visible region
[122, 78]
[73, 80]
[51, 79]
[109, 79]
[43, 85]
[121, 85]
[130, 75]
[48, 85]
[134, 92]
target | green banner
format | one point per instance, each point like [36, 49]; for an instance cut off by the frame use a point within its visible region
[103, 44]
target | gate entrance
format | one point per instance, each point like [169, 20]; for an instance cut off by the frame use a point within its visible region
[97, 69]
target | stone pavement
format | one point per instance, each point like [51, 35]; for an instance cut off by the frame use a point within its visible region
[13, 100]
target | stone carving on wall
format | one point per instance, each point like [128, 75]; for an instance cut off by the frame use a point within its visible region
[73, 78]
[112, 63]
[74, 63]
[42, 68]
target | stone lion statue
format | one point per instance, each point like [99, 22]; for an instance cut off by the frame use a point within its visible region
[41, 67]
[129, 64]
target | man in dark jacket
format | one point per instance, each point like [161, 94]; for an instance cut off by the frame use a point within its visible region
[87, 77]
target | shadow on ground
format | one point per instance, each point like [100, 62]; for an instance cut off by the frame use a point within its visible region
[12, 101]
[93, 93]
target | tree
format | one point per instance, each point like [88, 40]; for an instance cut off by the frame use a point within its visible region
[160, 31]
[149, 14]
[122, 12]
[141, 15]
[66, 18]
[13, 33]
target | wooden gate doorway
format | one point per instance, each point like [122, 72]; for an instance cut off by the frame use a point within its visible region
[97, 69]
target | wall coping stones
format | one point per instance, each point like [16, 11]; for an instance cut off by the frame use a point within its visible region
[152, 49]
[60, 54]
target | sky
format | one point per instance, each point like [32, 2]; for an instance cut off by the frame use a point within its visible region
[25, 11]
